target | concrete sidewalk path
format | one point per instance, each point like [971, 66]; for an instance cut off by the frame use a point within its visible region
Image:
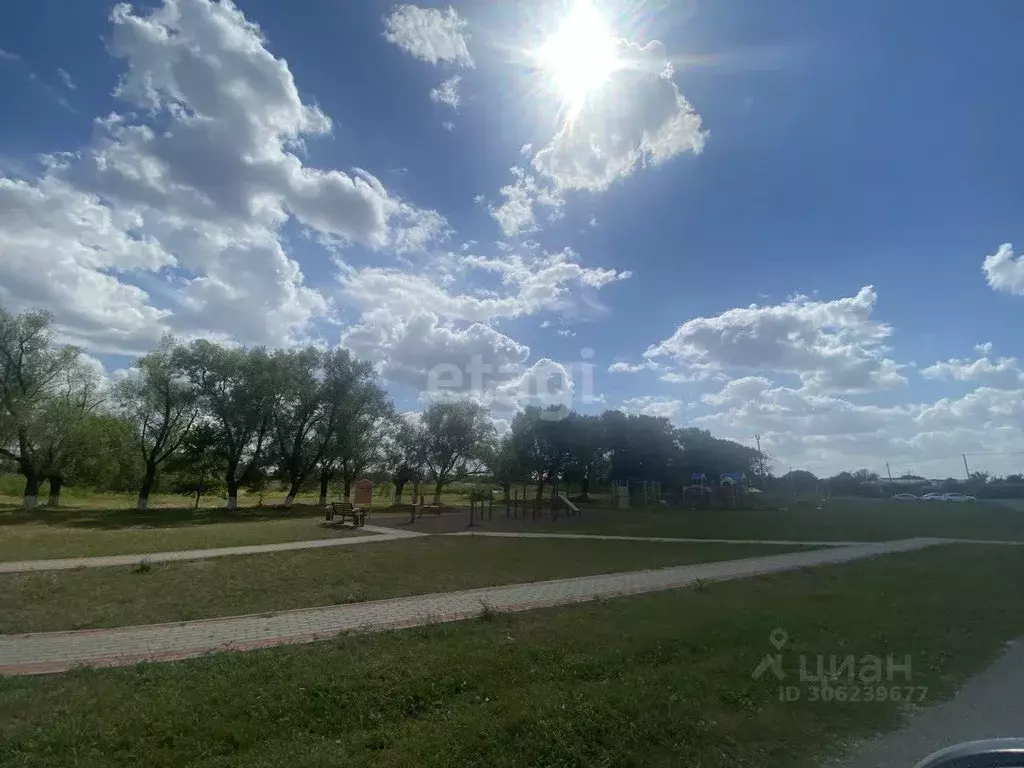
[377, 534]
[59, 651]
[665, 539]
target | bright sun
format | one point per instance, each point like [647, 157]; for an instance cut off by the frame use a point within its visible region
[581, 55]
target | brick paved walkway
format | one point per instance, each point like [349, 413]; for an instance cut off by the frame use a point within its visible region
[377, 534]
[59, 651]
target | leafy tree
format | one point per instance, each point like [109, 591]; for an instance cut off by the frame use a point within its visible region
[319, 390]
[161, 404]
[361, 449]
[67, 432]
[455, 435]
[106, 457]
[704, 453]
[799, 481]
[235, 388]
[504, 464]
[403, 454]
[642, 447]
[588, 450]
[299, 381]
[34, 370]
[197, 468]
[362, 425]
[543, 444]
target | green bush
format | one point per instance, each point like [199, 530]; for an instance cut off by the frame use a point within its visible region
[11, 485]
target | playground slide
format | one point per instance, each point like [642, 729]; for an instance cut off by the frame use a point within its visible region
[568, 503]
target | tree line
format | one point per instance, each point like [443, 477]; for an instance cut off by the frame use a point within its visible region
[200, 417]
[864, 482]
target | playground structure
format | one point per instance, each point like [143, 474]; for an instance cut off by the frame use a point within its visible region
[644, 492]
[481, 505]
[554, 500]
[726, 491]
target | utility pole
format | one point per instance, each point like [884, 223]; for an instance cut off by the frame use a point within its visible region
[888, 472]
[966, 468]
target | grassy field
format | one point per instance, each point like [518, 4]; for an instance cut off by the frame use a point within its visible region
[95, 529]
[661, 680]
[107, 597]
[840, 520]
[85, 531]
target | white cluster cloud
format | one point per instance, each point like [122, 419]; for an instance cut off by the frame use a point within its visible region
[516, 215]
[544, 384]
[430, 34]
[826, 434]
[831, 345]
[448, 92]
[639, 118]
[171, 218]
[416, 326]
[647, 365]
[1004, 372]
[1004, 271]
[546, 282]
[428, 355]
[652, 405]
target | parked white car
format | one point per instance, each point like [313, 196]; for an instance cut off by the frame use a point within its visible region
[958, 498]
[905, 497]
[933, 497]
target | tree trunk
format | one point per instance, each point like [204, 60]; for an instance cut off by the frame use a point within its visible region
[399, 487]
[325, 480]
[539, 501]
[56, 483]
[506, 489]
[231, 481]
[232, 484]
[585, 486]
[31, 487]
[199, 495]
[293, 491]
[437, 493]
[148, 481]
[347, 490]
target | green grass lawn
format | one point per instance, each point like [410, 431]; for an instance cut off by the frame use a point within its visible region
[660, 680]
[119, 596]
[841, 520]
[93, 529]
[80, 532]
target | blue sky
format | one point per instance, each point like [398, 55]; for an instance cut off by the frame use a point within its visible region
[514, 183]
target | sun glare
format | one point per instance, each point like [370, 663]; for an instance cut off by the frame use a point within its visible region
[581, 55]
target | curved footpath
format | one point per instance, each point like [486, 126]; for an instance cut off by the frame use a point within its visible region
[47, 652]
[376, 534]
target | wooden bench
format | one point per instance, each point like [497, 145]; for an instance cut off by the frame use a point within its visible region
[339, 511]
